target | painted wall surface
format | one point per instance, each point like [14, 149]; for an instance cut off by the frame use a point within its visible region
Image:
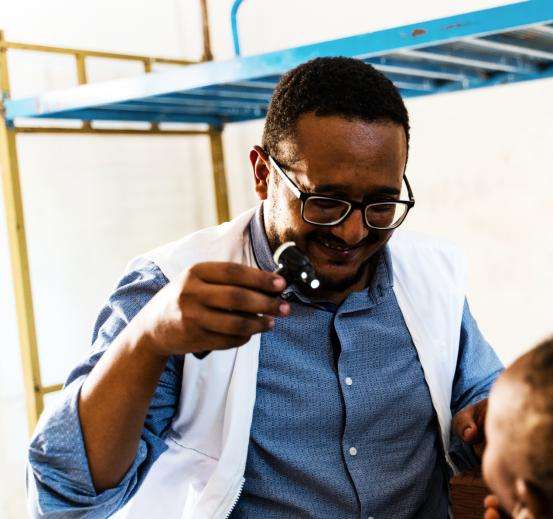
[480, 168]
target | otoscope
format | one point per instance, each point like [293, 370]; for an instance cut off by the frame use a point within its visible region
[294, 266]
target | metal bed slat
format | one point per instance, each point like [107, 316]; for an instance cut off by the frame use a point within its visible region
[210, 95]
[499, 79]
[182, 104]
[510, 45]
[411, 82]
[397, 65]
[144, 106]
[231, 90]
[473, 59]
[544, 29]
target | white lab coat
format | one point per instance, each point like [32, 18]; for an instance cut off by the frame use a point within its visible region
[201, 474]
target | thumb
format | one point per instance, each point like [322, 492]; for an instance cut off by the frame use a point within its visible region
[464, 424]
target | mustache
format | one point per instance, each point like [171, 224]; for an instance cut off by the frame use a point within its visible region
[370, 239]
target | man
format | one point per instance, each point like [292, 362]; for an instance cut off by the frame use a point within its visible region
[329, 403]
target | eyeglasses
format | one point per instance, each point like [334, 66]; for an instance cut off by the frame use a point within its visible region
[328, 211]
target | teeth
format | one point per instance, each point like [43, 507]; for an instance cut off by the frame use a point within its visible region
[326, 244]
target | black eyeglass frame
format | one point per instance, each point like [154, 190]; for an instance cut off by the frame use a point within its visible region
[304, 196]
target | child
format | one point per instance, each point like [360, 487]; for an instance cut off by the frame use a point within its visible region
[518, 460]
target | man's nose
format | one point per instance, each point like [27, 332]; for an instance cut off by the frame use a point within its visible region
[352, 230]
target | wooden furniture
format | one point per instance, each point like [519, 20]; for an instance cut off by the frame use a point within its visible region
[467, 493]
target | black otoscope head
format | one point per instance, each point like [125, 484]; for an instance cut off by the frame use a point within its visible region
[294, 265]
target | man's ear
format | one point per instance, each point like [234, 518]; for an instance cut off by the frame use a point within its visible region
[530, 499]
[260, 161]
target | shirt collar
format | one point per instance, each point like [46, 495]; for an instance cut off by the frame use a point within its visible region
[381, 281]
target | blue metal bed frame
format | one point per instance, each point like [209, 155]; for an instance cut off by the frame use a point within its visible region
[478, 49]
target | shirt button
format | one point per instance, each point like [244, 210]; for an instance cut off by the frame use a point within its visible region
[348, 381]
[353, 451]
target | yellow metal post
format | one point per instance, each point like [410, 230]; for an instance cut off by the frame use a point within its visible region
[19, 258]
[215, 134]
[207, 55]
[82, 77]
[34, 391]
[148, 70]
[81, 69]
[219, 177]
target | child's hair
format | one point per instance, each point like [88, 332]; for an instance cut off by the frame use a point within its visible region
[534, 371]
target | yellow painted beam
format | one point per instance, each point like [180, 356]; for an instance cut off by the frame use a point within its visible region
[19, 258]
[51, 389]
[91, 53]
[219, 177]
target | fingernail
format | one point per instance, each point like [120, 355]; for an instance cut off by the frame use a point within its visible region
[279, 283]
[284, 308]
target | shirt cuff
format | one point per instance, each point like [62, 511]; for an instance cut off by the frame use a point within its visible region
[58, 464]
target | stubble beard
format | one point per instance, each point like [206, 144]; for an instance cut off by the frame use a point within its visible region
[328, 285]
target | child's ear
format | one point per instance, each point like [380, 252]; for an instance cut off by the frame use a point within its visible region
[530, 499]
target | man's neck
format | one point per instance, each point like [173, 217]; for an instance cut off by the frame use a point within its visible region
[338, 297]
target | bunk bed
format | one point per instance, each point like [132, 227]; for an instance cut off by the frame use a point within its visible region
[485, 48]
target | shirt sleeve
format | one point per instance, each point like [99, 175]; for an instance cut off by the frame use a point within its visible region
[59, 483]
[478, 367]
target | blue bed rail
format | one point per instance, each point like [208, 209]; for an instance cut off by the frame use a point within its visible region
[234, 26]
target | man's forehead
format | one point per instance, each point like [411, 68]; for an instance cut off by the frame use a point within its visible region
[329, 142]
[347, 177]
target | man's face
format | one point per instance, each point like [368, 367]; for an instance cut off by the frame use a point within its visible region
[348, 159]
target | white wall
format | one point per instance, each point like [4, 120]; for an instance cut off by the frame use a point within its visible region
[480, 168]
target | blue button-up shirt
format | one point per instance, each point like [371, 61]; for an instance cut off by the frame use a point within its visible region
[343, 423]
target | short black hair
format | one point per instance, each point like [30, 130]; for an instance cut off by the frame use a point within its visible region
[332, 86]
[535, 371]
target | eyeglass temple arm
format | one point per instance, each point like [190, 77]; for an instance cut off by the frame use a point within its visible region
[409, 190]
[285, 177]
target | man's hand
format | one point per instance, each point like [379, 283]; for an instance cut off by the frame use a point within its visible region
[468, 424]
[211, 306]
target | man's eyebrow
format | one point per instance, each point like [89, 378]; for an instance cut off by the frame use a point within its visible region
[344, 188]
[326, 188]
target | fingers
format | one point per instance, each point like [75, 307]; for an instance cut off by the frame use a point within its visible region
[468, 423]
[227, 323]
[238, 299]
[217, 341]
[464, 425]
[226, 273]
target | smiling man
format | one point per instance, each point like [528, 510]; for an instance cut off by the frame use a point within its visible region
[335, 402]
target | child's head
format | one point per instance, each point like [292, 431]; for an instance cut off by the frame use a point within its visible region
[518, 461]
